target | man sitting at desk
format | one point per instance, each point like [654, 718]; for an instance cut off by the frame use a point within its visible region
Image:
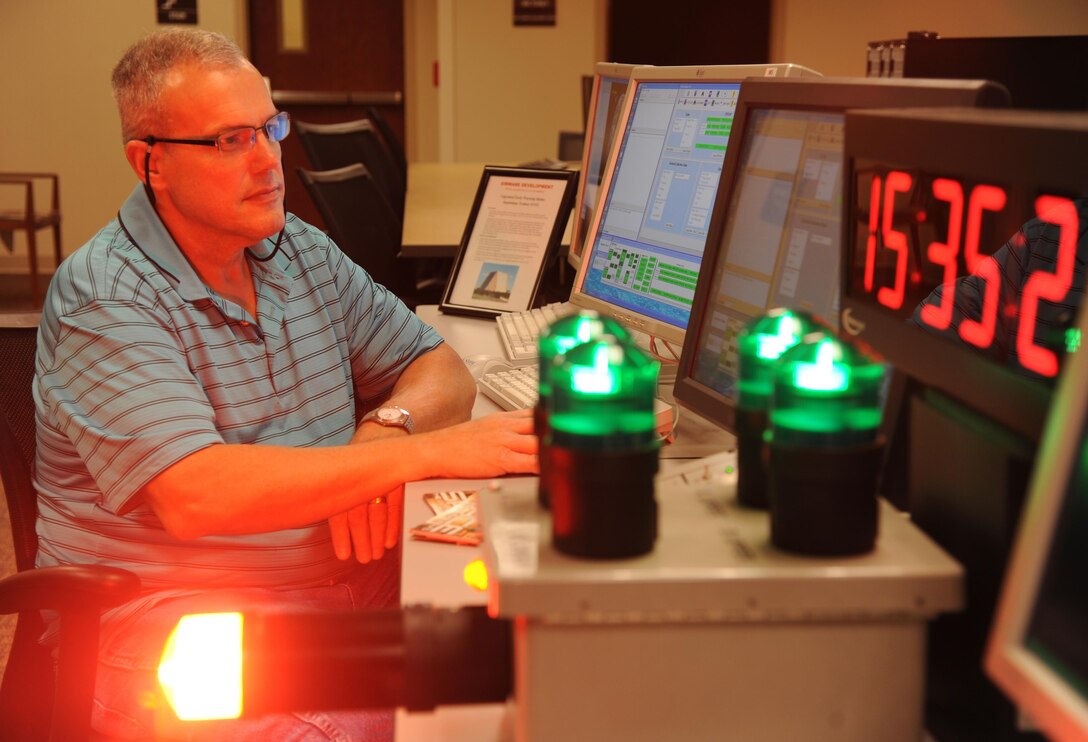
[203, 366]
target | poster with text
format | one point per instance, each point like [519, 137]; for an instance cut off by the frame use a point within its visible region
[512, 232]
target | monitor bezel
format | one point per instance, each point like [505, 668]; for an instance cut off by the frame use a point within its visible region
[639, 76]
[1046, 698]
[612, 70]
[985, 146]
[820, 95]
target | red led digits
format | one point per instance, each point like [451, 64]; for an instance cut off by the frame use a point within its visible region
[945, 253]
[965, 228]
[1051, 286]
[980, 333]
[874, 223]
[898, 182]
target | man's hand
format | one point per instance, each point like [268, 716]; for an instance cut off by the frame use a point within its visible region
[502, 443]
[371, 527]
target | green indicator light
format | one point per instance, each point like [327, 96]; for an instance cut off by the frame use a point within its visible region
[825, 374]
[596, 379]
[826, 395]
[602, 396]
[568, 332]
[1072, 340]
[759, 345]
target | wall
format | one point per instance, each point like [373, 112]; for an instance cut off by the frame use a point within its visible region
[512, 88]
[58, 113]
[515, 87]
[831, 35]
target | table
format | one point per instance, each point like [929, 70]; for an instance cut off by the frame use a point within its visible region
[437, 205]
[432, 573]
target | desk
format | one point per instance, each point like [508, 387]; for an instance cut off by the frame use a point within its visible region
[432, 573]
[436, 207]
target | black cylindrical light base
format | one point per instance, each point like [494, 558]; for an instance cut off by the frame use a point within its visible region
[602, 502]
[540, 428]
[751, 466]
[416, 657]
[823, 500]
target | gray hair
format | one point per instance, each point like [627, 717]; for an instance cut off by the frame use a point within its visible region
[139, 78]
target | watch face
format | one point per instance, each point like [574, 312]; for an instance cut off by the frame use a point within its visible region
[391, 415]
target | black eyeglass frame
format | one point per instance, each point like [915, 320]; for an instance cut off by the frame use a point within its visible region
[151, 141]
[215, 141]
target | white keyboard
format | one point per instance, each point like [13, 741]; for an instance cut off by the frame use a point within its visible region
[519, 331]
[515, 388]
[510, 387]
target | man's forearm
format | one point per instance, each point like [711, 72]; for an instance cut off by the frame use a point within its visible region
[437, 389]
[232, 489]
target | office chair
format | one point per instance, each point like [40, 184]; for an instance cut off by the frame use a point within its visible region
[362, 224]
[30, 218]
[333, 146]
[37, 703]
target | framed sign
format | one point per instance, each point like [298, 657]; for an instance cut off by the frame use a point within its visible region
[517, 220]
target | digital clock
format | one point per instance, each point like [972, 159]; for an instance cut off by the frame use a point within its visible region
[966, 235]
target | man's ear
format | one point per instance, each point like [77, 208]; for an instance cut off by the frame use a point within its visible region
[136, 154]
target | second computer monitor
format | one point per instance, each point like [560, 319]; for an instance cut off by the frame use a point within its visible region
[775, 237]
[606, 99]
[644, 245]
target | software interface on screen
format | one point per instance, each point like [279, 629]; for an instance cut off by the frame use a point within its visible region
[600, 132]
[781, 238]
[645, 255]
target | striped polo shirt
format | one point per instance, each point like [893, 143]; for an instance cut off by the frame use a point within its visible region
[140, 364]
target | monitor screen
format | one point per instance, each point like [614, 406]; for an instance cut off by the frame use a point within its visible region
[645, 243]
[1037, 652]
[775, 237]
[605, 106]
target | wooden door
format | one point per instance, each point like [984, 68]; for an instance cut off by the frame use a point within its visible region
[353, 57]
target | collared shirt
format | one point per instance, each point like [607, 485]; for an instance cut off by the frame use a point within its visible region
[140, 364]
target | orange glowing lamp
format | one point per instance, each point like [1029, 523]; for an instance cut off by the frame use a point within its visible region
[201, 668]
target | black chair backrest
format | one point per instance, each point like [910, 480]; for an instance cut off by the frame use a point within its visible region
[360, 221]
[18, 340]
[333, 146]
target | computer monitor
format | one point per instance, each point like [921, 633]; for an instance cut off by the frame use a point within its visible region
[776, 231]
[605, 103]
[645, 242]
[964, 267]
[1037, 653]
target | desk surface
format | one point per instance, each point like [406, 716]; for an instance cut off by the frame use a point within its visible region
[432, 573]
[436, 207]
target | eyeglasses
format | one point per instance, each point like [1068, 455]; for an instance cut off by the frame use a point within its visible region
[237, 140]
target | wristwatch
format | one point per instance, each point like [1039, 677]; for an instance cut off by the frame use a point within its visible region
[391, 416]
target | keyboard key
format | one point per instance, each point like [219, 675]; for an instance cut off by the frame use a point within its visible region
[520, 331]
